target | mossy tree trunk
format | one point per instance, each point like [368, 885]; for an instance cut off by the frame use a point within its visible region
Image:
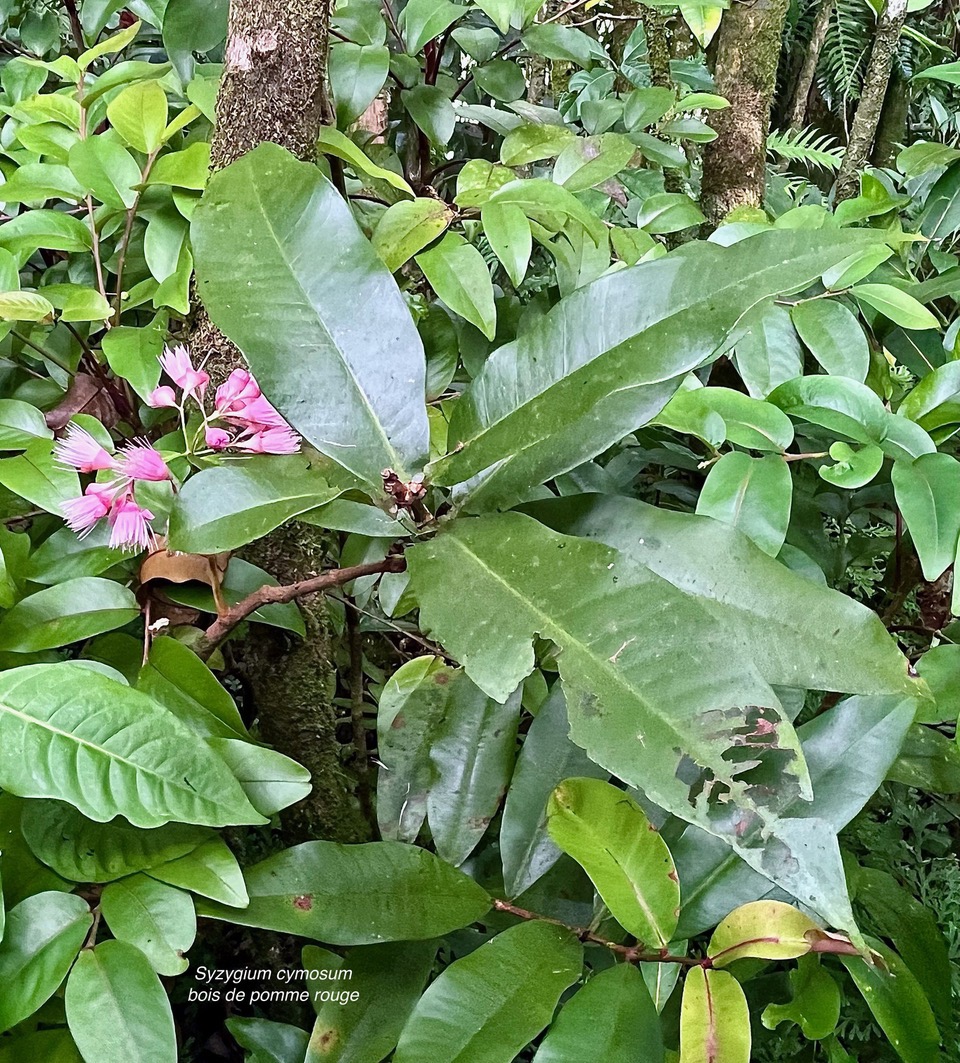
[797, 112]
[747, 56]
[869, 109]
[274, 89]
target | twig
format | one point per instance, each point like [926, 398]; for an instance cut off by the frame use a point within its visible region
[361, 759]
[125, 240]
[75, 28]
[224, 624]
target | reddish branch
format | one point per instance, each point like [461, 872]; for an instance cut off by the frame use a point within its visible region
[225, 623]
[640, 954]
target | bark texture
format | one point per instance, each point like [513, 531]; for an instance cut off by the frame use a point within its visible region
[748, 52]
[875, 82]
[274, 89]
[892, 130]
[801, 92]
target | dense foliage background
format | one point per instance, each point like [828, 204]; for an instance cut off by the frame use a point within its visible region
[558, 659]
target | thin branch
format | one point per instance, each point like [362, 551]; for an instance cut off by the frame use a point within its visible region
[361, 758]
[125, 240]
[75, 28]
[224, 624]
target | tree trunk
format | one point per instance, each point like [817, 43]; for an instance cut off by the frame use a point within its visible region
[748, 53]
[892, 131]
[797, 112]
[274, 89]
[869, 109]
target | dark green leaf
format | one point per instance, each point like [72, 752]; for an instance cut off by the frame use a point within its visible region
[834, 337]
[752, 494]
[68, 612]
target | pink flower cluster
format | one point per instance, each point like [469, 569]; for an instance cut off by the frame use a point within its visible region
[116, 499]
[242, 418]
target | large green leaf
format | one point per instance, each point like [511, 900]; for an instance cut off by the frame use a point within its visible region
[834, 337]
[42, 937]
[270, 780]
[76, 735]
[356, 894]
[117, 1009]
[65, 613]
[230, 506]
[714, 1019]
[928, 494]
[351, 382]
[211, 870]
[547, 758]
[158, 919]
[82, 850]
[612, 1018]
[622, 630]
[752, 494]
[605, 360]
[488, 1005]
[607, 833]
[389, 980]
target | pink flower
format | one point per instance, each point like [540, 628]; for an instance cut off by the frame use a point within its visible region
[258, 413]
[131, 529]
[178, 366]
[79, 449]
[140, 461]
[239, 390]
[82, 514]
[217, 438]
[162, 396]
[275, 440]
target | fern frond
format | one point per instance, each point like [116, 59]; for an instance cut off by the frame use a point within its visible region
[807, 146]
[845, 53]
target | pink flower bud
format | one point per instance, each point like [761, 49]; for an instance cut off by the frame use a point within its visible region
[162, 396]
[80, 450]
[217, 438]
[140, 461]
[178, 366]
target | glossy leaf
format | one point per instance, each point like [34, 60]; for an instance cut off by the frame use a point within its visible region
[752, 494]
[896, 305]
[68, 612]
[508, 232]
[42, 937]
[270, 780]
[834, 337]
[357, 73]
[210, 870]
[70, 733]
[853, 468]
[488, 1005]
[117, 1009]
[714, 1019]
[546, 759]
[273, 210]
[611, 1018]
[157, 919]
[458, 274]
[928, 494]
[139, 115]
[815, 1003]
[408, 227]
[321, 890]
[768, 930]
[606, 832]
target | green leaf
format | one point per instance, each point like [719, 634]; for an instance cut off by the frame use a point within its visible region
[80, 850]
[20, 424]
[389, 980]
[940, 670]
[268, 1041]
[611, 1018]
[117, 1009]
[928, 495]
[36, 182]
[502, 79]
[533, 143]
[52, 1046]
[25, 306]
[589, 161]
[668, 212]
[192, 26]
[752, 494]
[508, 232]
[458, 274]
[76, 302]
[42, 937]
[703, 19]
[69, 612]
[270, 780]
[357, 73]
[422, 20]
[855, 268]
[132, 353]
[211, 870]
[510, 13]
[333, 142]
[37, 477]
[70, 733]
[834, 337]
[158, 919]
[768, 351]
[815, 1003]
[940, 217]
[607, 833]
[746, 421]
[116, 42]
[189, 168]
[106, 170]
[896, 305]
[322, 890]
[851, 409]
[546, 759]
[176, 678]
[231, 505]
[488, 1005]
[50, 229]
[139, 115]
[928, 760]
[714, 1019]
[555, 41]
[897, 1002]
[767, 930]
[853, 468]
[407, 227]
[431, 109]
[567, 389]
[256, 232]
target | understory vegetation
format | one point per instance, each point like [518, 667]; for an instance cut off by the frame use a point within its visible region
[479, 500]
